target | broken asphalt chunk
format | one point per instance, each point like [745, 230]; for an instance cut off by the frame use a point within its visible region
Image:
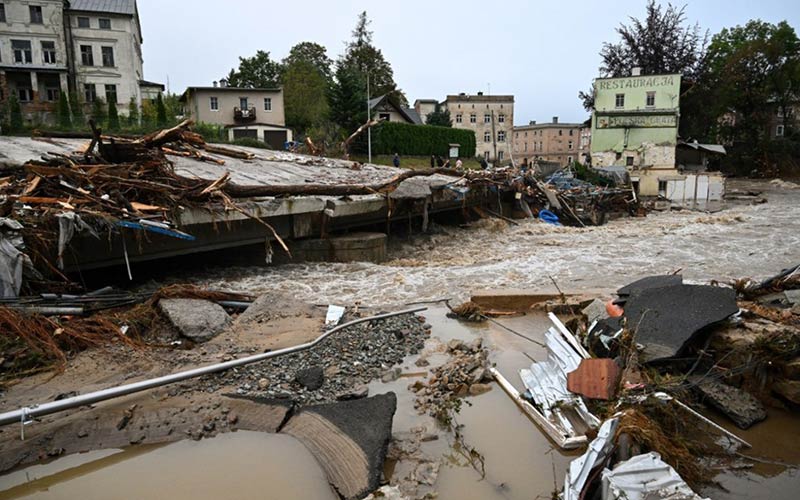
[665, 319]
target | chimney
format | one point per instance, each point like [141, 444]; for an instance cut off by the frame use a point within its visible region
[462, 94]
[555, 119]
[480, 93]
[532, 122]
[223, 83]
[215, 84]
[637, 71]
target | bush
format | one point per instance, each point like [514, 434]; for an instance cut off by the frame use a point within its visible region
[113, 116]
[211, 132]
[133, 113]
[76, 107]
[15, 122]
[64, 119]
[161, 111]
[416, 140]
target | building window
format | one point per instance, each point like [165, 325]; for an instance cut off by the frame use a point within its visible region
[52, 93]
[214, 103]
[629, 161]
[525, 146]
[87, 57]
[662, 188]
[22, 51]
[560, 132]
[384, 116]
[104, 24]
[487, 137]
[569, 160]
[779, 131]
[487, 118]
[268, 104]
[501, 118]
[36, 14]
[473, 118]
[501, 136]
[486, 155]
[571, 131]
[25, 94]
[111, 94]
[49, 52]
[651, 99]
[243, 103]
[83, 22]
[569, 145]
[2, 13]
[89, 92]
[108, 56]
[458, 118]
[620, 101]
[500, 156]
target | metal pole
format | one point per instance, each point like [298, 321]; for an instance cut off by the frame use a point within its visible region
[94, 397]
[369, 129]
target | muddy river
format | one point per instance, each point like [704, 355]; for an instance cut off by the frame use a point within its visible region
[743, 240]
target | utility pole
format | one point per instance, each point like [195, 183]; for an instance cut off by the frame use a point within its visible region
[369, 129]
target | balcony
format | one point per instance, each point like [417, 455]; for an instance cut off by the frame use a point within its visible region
[244, 115]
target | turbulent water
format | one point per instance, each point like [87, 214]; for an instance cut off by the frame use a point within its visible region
[742, 240]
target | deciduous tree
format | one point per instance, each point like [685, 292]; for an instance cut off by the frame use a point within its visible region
[259, 71]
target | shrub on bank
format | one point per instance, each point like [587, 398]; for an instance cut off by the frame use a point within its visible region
[416, 140]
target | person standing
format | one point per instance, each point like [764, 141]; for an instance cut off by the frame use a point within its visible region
[459, 164]
[433, 161]
[396, 160]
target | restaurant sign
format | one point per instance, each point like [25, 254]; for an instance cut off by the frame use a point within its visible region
[637, 121]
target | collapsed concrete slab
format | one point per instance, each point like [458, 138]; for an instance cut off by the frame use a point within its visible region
[739, 406]
[665, 319]
[195, 319]
[349, 439]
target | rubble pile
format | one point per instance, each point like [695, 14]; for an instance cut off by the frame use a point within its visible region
[465, 374]
[337, 369]
[645, 361]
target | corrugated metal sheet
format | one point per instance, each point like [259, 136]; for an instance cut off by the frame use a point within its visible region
[581, 467]
[126, 7]
[645, 477]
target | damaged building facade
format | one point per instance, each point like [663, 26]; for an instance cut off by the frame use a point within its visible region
[635, 125]
[90, 47]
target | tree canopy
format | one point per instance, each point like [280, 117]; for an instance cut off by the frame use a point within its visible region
[661, 43]
[439, 117]
[259, 71]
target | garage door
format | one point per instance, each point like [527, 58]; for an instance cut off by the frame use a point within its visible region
[249, 133]
[275, 138]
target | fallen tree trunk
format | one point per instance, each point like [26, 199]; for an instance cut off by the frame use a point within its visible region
[239, 191]
[361, 129]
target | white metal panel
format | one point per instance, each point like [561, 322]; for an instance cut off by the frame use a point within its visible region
[702, 188]
[716, 188]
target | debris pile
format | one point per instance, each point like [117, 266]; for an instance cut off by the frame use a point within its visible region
[465, 374]
[667, 347]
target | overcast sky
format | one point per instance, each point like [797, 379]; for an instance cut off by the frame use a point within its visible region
[542, 52]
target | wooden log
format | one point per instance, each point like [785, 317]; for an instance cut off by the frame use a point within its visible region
[233, 153]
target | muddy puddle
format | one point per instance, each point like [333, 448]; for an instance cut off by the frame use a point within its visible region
[237, 465]
[520, 462]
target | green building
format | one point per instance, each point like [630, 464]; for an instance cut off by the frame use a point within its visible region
[635, 124]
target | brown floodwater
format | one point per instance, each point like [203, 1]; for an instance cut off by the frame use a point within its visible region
[236, 465]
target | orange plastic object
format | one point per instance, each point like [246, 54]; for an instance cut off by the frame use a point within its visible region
[614, 310]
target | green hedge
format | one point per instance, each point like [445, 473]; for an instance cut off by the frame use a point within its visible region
[416, 140]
